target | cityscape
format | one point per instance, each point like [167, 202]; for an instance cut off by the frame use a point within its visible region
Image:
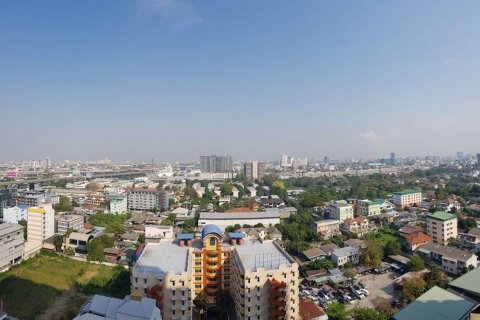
[253, 160]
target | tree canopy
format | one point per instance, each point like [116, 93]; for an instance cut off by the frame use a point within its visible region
[416, 264]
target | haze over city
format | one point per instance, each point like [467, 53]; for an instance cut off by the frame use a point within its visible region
[173, 79]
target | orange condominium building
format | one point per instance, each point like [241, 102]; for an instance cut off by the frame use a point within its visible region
[261, 277]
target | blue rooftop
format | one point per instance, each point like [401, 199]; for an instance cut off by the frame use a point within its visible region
[23, 206]
[211, 228]
[185, 236]
[236, 235]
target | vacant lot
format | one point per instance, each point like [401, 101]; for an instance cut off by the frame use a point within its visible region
[53, 287]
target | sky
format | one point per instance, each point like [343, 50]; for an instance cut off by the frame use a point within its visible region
[175, 79]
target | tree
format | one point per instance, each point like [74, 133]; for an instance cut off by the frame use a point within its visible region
[413, 288]
[169, 221]
[58, 242]
[337, 311]
[23, 223]
[393, 247]
[368, 314]
[69, 251]
[453, 242]
[96, 246]
[200, 302]
[320, 264]
[372, 253]
[348, 272]
[467, 224]
[93, 186]
[416, 264]
[435, 278]
[63, 205]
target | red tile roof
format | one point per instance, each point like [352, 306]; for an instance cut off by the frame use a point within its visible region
[309, 310]
[417, 238]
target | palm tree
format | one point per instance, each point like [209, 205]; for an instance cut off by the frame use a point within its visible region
[200, 303]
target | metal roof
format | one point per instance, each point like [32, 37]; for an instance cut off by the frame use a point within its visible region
[468, 282]
[238, 215]
[185, 236]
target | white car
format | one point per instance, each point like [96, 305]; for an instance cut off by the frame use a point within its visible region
[365, 292]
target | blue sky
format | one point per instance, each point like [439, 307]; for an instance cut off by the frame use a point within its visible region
[173, 79]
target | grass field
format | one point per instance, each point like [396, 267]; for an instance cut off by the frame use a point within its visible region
[386, 234]
[53, 287]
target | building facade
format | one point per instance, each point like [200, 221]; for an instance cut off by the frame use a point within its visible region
[69, 221]
[254, 170]
[216, 163]
[12, 245]
[327, 228]
[225, 219]
[442, 226]
[453, 260]
[368, 208]
[260, 276]
[147, 199]
[341, 211]
[41, 223]
[118, 206]
[407, 198]
[15, 214]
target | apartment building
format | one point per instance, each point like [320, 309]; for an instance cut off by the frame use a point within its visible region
[69, 221]
[260, 276]
[6, 200]
[254, 170]
[327, 228]
[358, 225]
[95, 198]
[368, 208]
[341, 211]
[15, 214]
[407, 198]
[41, 223]
[442, 226]
[216, 163]
[147, 199]
[453, 260]
[11, 245]
[118, 206]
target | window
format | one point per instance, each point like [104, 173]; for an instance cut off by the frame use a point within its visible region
[213, 241]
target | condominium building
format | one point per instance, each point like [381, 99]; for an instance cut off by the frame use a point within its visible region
[368, 208]
[216, 163]
[327, 228]
[119, 205]
[442, 226]
[41, 223]
[260, 276]
[407, 198]
[341, 211]
[15, 214]
[69, 221]
[11, 245]
[147, 199]
[254, 170]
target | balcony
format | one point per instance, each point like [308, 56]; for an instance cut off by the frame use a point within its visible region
[212, 266]
[212, 259]
[211, 274]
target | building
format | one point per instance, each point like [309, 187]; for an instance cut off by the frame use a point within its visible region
[468, 285]
[12, 245]
[102, 307]
[69, 221]
[216, 163]
[41, 223]
[260, 276]
[310, 311]
[118, 205]
[78, 241]
[327, 228]
[407, 198]
[341, 211]
[357, 225]
[313, 254]
[261, 233]
[31, 198]
[415, 240]
[344, 255]
[254, 170]
[95, 199]
[6, 200]
[470, 240]
[437, 303]
[225, 219]
[155, 233]
[453, 260]
[442, 226]
[368, 208]
[147, 199]
[15, 214]
[393, 161]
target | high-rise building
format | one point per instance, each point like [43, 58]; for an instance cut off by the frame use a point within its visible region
[41, 223]
[147, 199]
[6, 200]
[254, 170]
[260, 276]
[284, 161]
[393, 161]
[216, 163]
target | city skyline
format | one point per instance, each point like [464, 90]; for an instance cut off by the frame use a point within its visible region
[172, 79]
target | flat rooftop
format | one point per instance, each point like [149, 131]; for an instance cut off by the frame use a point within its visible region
[6, 228]
[405, 192]
[238, 215]
[266, 255]
[161, 258]
[441, 215]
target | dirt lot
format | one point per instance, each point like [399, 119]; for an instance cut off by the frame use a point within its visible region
[381, 290]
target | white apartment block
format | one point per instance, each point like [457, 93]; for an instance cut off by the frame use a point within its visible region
[407, 198]
[15, 214]
[442, 226]
[118, 206]
[368, 208]
[11, 245]
[147, 199]
[327, 228]
[341, 211]
[69, 221]
[41, 223]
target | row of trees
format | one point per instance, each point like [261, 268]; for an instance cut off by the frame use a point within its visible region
[338, 311]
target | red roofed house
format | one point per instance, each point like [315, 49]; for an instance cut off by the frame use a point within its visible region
[414, 240]
[310, 311]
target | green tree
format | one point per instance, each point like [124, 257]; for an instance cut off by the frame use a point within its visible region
[93, 186]
[69, 251]
[169, 221]
[337, 311]
[63, 205]
[453, 242]
[416, 264]
[393, 247]
[96, 246]
[467, 224]
[372, 253]
[226, 188]
[223, 300]
[412, 288]
[435, 278]
[58, 242]
[360, 313]
[320, 264]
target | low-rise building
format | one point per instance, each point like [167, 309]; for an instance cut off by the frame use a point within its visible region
[78, 241]
[368, 208]
[442, 226]
[327, 228]
[225, 219]
[313, 254]
[344, 255]
[147, 199]
[358, 225]
[470, 240]
[310, 311]
[261, 233]
[453, 260]
[15, 214]
[12, 245]
[154, 233]
[69, 221]
[118, 205]
[341, 211]
[407, 198]
[415, 240]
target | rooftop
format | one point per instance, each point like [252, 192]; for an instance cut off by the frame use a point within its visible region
[161, 258]
[267, 255]
[309, 310]
[417, 238]
[346, 251]
[409, 191]
[438, 304]
[326, 222]
[238, 215]
[68, 217]
[313, 253]
[442, 216]
[468, 282]
[447, 252]
[6, 228]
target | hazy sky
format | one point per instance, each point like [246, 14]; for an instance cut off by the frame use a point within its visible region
[173, 79]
